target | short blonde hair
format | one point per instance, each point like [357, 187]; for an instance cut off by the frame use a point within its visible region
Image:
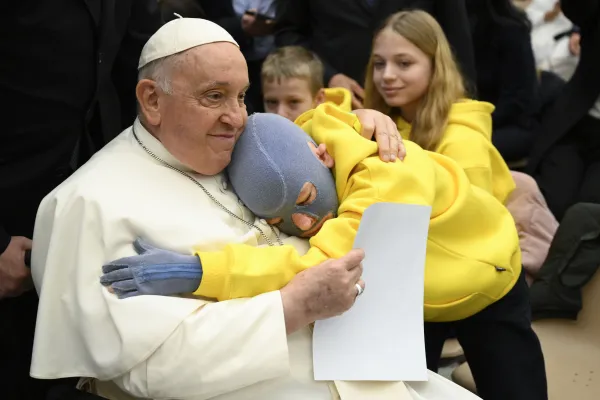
[446, 86]
[294, 62]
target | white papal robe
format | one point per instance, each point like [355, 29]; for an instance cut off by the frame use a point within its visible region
[159, 347]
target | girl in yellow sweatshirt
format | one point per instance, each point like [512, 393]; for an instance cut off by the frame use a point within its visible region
[413, 77]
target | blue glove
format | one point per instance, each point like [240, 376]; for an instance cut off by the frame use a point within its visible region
[154, 271]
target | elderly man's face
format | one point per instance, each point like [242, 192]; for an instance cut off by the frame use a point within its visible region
[205, 115]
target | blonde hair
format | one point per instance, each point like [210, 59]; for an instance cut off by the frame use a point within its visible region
[446, 85]
[294, 62]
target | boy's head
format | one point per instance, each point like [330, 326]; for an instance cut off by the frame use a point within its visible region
[292, 81]
[281, 175]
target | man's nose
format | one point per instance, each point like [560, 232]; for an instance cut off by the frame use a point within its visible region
[235, 116]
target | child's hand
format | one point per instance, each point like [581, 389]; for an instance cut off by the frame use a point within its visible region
[324, 156]
[386, 133]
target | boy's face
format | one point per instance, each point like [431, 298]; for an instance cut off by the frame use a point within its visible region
[289, 97]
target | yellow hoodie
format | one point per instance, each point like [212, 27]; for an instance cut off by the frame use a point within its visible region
[473, 256]
[467, 140]
[340, 97]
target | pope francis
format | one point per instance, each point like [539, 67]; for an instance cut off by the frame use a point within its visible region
[162, 179]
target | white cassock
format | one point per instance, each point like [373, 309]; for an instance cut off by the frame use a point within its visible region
[159, 347]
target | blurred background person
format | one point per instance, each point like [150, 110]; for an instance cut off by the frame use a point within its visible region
[506, 73]
[68, 76]
[565, 160]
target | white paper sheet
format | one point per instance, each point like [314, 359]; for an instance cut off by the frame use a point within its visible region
[381, 337]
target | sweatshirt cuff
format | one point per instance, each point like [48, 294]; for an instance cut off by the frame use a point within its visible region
[215, 276]
[4, 240]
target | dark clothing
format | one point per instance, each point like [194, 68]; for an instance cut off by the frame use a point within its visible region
[513, 142]
[17, 324]
[254, 99]
[47, 98]
[58, 85]
[569, 173]
[18, 315]
[221, 12]
[185, 8]
[582, 90]
[69, 393]
[551, 86]
[506, 74]
[506, 77]
[340, 32]
[68, 79]
[502, 350]
[572, 261]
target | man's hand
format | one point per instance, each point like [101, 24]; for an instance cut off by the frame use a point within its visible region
[575, 43]
[254, 26]
[386, 133]
[343, 81]
[322, 292]
[15, 277]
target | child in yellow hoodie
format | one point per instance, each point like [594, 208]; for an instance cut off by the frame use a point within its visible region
[412, 76]
[469, 265]
[472, 272]
[292, 83]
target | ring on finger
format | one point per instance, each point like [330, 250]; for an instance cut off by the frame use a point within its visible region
[359, 290]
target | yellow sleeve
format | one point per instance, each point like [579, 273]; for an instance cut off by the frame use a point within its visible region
[241, 270]
[247, 271]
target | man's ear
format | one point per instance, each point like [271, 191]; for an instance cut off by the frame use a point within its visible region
[319, 98]
[147, 97]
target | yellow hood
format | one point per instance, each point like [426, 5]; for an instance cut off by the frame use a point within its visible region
[340, 97]
[467, 140]
[476, 115]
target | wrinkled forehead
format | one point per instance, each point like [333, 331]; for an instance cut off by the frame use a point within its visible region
[215, 62]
